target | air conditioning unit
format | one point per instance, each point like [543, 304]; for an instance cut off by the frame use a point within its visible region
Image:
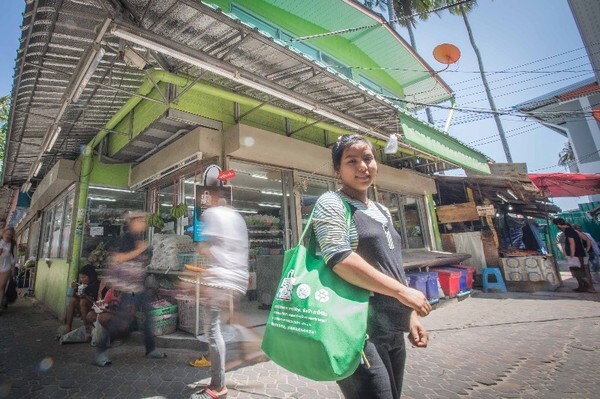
[167, 170]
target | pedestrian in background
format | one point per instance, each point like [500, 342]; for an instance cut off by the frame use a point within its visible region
[126, 273]
[8, 260]
[593, 250]
[368, 254]
[225, 243]
[576, 254]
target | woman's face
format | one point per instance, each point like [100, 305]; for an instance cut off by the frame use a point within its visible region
[84, 279]
[7, 235]
[358, 167]
[138, 225]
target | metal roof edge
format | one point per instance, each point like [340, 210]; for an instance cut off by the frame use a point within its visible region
[403, 42]
[547, 98]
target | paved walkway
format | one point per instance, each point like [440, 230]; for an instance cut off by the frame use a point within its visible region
[542, 345]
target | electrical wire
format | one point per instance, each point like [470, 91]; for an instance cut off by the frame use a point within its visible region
[570, 163]
[375, 25]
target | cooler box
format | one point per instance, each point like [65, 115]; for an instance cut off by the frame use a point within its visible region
[418, 281]
[449, 280]
[462, 285]
[470, 274]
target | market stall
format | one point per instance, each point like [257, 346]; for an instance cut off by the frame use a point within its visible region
[493, 219]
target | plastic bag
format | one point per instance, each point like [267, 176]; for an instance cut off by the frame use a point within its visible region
[392, 145]
[76, 336]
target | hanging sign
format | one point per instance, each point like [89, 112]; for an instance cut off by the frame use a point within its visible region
[486, 210]
[226, 175]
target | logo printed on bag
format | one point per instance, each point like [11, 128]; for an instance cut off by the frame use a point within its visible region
[303, 291]
[322, 295]
[285, 290]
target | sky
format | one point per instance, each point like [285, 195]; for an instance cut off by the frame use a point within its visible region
[521, 36]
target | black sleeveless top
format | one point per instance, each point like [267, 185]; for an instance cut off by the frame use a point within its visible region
[380, 245]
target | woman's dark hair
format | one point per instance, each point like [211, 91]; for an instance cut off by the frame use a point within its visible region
[88, 270]
[13, 241]
[343, 142]
[560, 222]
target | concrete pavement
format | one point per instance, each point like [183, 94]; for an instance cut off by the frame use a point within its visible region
[516, 345]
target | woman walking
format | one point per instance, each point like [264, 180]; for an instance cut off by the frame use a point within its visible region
[8, 260]
[368, 254]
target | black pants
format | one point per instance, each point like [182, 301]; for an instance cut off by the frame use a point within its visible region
[382, 378]
[138, 300]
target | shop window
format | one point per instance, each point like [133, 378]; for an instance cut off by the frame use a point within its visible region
[47, 232]
[168, 198]
[187, 222]
[67, 223]
[105, 218]
[390, 200]
[258, 195]
[34, 239]
[415, 231]
[59, 210]
[407, 217]
[311, 189]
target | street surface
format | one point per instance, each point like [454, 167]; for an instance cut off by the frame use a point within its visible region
[516, 345]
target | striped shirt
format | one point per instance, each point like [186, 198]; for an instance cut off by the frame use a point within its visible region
[335, 239]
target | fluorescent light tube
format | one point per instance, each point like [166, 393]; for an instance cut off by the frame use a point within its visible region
[37, 169]
[102, 199]
[53, 138]
[88, 74]
[120, 190]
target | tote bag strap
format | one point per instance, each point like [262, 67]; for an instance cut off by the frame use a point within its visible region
[310, 218]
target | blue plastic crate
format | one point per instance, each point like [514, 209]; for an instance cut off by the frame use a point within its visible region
[433, 294]
[418, 281]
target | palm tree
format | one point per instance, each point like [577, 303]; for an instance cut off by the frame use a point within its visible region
[406, 10]
[463, 9]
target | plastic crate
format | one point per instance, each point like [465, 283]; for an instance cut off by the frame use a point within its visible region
[463, 277]
[165, 326]
[172, 309]
[433, 294]
[470, 274]
[161, 325]
[418, 281]
[187, 316]
[449, 280]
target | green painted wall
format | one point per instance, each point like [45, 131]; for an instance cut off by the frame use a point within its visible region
[336, 46]
[143, 115]
[116, 175]
[51, 285]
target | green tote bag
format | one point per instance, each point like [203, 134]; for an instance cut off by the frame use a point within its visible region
[318, 322]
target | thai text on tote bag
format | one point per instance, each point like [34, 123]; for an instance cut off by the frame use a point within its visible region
[318, 321]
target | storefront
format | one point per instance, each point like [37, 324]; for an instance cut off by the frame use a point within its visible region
[226, 93]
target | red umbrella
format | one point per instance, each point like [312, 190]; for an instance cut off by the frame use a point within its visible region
[567, 184]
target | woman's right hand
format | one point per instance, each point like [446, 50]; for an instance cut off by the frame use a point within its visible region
[415, 300]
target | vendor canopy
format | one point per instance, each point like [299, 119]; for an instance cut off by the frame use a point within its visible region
[567, 184]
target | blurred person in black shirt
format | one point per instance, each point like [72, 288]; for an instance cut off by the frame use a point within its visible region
[126, 273]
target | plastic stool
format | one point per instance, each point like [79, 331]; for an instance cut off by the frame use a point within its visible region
[486, 272]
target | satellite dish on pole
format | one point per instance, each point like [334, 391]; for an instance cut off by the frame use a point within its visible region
[446, 53]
